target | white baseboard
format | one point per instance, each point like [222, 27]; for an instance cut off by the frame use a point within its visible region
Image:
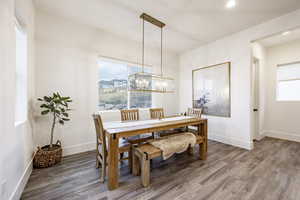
[79, 148]
[261, 135]
[234, 142]
[283, 135]
[16, 195]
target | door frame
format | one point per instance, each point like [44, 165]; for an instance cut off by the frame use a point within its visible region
[255, 98]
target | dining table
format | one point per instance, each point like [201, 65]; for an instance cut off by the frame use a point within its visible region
[115, 130]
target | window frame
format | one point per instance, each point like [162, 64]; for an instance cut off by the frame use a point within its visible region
[21, 114]
[285, 80]
[128, 65]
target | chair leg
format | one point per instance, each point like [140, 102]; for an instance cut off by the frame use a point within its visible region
[103, 170]
[130, 159]
[97, 162]
[190, 150]
[135, 165]
[145, 171]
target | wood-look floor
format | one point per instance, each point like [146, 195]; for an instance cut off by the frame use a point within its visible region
[271, 171]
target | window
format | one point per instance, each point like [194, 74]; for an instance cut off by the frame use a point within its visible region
[112, 86]
[288, 82]
[21, 75]
[139, 99]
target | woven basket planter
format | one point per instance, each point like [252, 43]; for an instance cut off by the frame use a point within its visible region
[46, 157]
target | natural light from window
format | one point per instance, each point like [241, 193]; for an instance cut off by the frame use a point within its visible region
[288, 82]
[112, 87]
[21, 75]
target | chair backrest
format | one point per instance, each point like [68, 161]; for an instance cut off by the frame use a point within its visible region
[100, 133]
[197, 112]
[157, 113]
[130, 115]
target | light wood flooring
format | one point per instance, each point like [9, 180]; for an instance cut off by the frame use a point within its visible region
[271, 171]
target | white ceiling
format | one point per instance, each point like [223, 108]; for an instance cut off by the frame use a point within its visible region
[280, 38]
[190, 23]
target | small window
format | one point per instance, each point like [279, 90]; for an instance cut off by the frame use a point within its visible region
[21, 75]
[113, 90]
[288, 82]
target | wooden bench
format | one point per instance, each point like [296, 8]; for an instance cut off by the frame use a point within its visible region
[141, 161]
[144, 153]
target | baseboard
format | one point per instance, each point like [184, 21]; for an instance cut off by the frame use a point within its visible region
[69, 150]
[283, 135]
[261, 135]
[16, 195]
[231, 141]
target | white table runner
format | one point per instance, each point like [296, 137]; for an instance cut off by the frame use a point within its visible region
[119, 124]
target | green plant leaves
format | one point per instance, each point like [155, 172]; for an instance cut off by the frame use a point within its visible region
[47, 99]
[44, 112]
[57, 105]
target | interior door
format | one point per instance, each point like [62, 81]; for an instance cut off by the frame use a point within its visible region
[255, 93]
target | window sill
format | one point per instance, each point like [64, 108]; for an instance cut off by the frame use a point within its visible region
[288, 101]
[111, 111]
[19, 123]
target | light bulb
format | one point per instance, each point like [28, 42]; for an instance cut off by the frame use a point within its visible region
[231, 4]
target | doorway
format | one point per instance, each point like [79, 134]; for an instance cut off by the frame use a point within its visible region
[255, 98]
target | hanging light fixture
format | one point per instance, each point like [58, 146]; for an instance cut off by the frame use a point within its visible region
[149, 82]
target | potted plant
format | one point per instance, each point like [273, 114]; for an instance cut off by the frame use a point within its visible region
[57, 106]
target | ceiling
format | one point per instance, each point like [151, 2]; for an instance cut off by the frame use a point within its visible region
[281, 38]
[190, 23]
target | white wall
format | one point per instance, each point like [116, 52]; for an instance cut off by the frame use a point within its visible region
[16, 148]
[66, 61]
[236, 48]
[282, 117]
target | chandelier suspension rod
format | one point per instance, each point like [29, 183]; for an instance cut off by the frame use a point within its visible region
[160, 24]
[143, 57]
[161, 51]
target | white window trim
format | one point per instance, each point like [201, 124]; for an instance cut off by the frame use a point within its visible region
[278, 81]
[22, 28]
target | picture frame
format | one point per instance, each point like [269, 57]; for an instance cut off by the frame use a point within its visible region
[211, 89]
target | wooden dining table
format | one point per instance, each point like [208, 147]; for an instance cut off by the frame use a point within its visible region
[117, 129]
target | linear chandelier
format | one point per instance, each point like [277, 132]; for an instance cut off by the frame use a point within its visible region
[149, 82]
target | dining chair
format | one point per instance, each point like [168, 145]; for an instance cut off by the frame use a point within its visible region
[157, 113]
[196, 112]
[133, 115]
[102, 151]
[130, 115]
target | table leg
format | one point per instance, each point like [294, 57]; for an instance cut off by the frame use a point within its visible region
[113, 162]
[205, 135]
[203, 146]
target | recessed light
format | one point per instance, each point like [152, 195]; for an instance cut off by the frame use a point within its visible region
[230, 4]
[286, 33]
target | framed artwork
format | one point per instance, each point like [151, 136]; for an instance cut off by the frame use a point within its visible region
[211, 89]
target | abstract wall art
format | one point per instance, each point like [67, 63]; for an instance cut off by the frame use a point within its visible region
[211, 89]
